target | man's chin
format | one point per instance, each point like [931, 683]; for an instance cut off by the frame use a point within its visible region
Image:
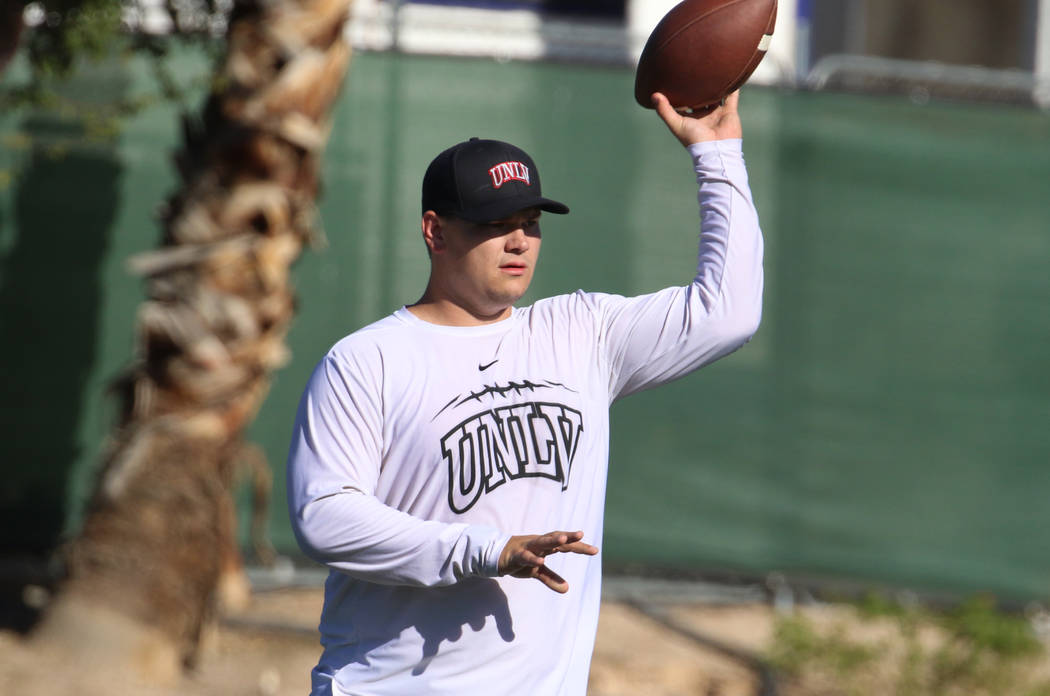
[507, 299]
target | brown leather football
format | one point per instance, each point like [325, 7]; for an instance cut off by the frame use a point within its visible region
[703, 50]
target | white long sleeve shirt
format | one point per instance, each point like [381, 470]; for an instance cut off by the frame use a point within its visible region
[419, 449]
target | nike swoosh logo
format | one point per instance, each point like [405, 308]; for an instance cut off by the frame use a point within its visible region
[482, 368]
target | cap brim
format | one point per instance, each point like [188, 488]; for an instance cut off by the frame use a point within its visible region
[498, 210]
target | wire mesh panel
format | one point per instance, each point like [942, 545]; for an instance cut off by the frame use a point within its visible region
[925, 80]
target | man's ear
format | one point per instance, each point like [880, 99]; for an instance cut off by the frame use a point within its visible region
[433, 232]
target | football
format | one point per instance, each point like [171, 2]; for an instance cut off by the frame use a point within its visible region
[703, 50]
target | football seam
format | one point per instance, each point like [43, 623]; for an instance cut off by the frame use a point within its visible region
[754, 53]
[737, 78]
[694, 21]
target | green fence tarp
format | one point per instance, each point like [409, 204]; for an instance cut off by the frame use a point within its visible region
[890, 423]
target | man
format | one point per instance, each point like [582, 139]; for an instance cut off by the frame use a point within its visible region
[449, 460]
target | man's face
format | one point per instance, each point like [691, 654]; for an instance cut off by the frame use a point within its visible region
[486, 267]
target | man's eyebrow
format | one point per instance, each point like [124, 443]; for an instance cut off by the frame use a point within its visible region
[510, 220]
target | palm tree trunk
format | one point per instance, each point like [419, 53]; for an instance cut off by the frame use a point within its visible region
[159, 529]
[11, 26]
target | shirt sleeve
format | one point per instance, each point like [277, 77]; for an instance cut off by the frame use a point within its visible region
[333, 466]
[652, 339]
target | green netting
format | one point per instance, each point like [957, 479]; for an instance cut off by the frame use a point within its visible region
[890, 422]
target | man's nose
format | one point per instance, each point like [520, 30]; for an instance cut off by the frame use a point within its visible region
[517, 240]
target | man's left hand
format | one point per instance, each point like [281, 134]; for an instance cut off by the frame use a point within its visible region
[525, 556]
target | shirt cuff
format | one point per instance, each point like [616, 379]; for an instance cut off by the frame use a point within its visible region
[722, 147]
[488, 543]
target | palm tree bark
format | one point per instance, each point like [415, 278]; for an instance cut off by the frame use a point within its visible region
[159, 529]
[11, 26]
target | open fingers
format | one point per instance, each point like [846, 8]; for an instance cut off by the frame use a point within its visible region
[577, 547]
[525, 556]
[551, 579]
[561, 542]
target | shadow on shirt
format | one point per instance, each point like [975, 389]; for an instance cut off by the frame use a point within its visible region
[437, 614]
[471, 608]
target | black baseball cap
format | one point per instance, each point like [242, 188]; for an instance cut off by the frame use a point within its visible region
[484, 180]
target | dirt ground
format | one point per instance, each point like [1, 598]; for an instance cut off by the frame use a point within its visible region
[269, 648]
[654, 649]
[633, 653]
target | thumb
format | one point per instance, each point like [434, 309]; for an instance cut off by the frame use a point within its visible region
[664, 109]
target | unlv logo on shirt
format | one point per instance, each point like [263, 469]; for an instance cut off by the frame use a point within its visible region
[512, 442]
[509, 171]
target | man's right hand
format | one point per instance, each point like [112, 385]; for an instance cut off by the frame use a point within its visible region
[525, 556]
[717, 123]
